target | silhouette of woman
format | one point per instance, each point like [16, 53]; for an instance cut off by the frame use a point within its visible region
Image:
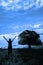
[9, 45]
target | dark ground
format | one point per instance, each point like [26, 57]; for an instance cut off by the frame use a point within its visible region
[22, 57]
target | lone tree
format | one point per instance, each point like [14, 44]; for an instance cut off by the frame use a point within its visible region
[29, 37]
[9, 45]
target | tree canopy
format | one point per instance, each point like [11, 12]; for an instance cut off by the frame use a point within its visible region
[29, 37]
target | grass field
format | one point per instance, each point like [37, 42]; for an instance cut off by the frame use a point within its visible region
[22, 56]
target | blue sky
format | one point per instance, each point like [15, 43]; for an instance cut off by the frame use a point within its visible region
[19, 15]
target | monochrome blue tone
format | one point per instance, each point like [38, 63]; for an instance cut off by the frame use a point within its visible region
[17, 16]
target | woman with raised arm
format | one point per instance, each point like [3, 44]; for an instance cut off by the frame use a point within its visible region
[9, 45]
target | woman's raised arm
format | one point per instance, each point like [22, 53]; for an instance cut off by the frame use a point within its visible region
[5, 38]
[13, 38]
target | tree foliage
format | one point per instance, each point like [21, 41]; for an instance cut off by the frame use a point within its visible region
[29, 37]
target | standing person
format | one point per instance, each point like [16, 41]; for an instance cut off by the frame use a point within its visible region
[9, 45]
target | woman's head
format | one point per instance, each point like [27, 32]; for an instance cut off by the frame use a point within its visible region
[9, 39]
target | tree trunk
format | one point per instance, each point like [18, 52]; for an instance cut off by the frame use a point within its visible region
[29, 46]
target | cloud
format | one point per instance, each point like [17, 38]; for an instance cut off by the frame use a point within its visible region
[36, 25]
[21, 4]
[15, 44]
[21, 28]
[25, 26]
[39, 3]
[11, 35]
[10, 4]
[4, 4]
[40, 30]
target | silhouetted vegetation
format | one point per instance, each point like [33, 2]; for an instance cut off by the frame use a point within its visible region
[22, 57]
[29, 37]
[25, 56]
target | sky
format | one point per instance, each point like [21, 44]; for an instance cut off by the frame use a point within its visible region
[17, 16]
